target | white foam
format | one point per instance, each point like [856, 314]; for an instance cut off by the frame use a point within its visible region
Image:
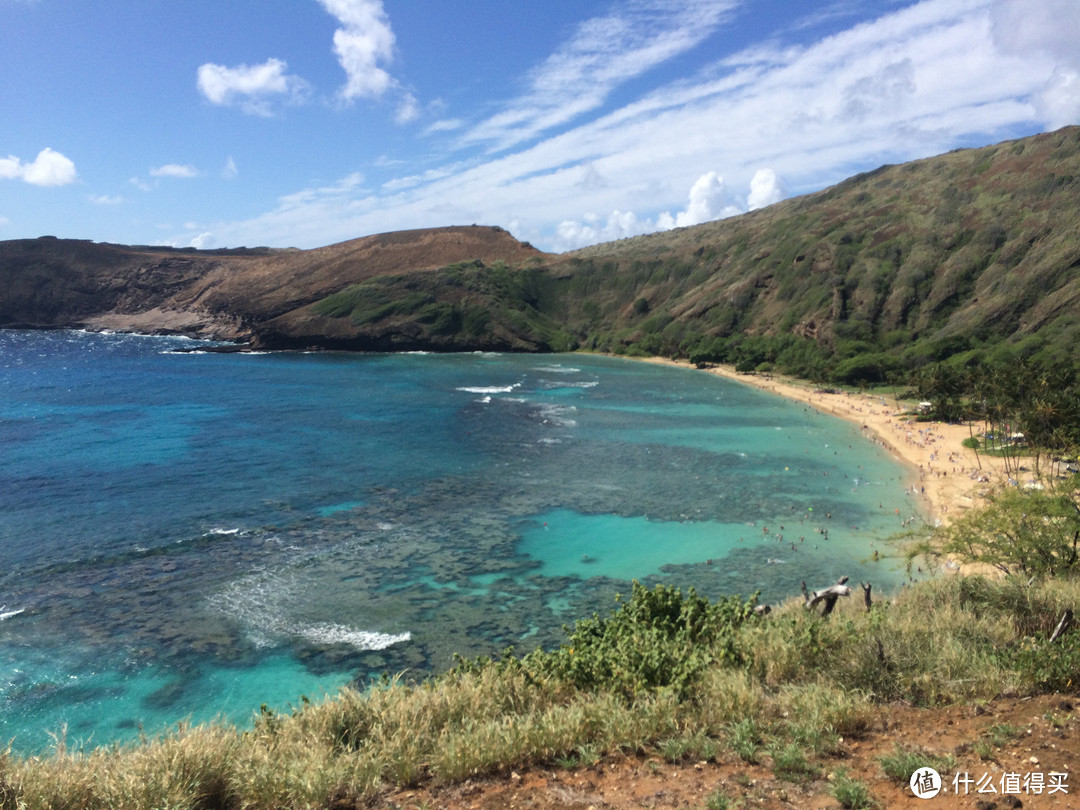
[556, 369]
[340, 634]
[7, 614]
[557, 415]
[560, 384]
[263, 603]
[489, 389]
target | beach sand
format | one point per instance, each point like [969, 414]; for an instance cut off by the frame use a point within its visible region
[949, 478]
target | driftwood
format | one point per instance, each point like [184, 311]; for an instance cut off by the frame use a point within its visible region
[866, 594]
[826, 595]
[1063, 625]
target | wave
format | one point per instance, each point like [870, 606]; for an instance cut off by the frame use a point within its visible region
[490, 389]
[7, 614]
[552, 384]
[556, 369]
[341, 634]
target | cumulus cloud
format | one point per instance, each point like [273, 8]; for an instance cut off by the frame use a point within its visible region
[364, 40]
[765, 189]
[49, 168]
[618, 225]
[708, 199]
[706, 203]
[252, 88]
[174, 170]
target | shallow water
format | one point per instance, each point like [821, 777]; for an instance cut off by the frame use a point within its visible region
[191, 535]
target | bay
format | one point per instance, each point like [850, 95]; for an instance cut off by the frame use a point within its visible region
[189, 535]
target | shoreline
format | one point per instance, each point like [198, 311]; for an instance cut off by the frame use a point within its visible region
[949, 477]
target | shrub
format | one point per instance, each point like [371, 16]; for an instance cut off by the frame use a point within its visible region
[659, 639]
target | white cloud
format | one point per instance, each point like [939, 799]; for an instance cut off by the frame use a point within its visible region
[765, 189]
[604, 53]
[363, 42]
[927, 78]
[618, 225]
[252, 88]
[408, 110]
[1047, 30]
[202, 241]
[230, 171]
[174, 170]
[706, 201]
[105, 199]
[446, 125]
[49, 168]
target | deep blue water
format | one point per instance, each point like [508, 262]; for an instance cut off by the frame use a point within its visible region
[190, 535]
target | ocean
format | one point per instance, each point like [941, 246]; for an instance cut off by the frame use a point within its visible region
[188, 535]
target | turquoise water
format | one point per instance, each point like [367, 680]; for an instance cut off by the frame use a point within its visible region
[187, 535]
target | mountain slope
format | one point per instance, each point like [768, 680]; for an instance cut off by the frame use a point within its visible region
[976, 252]
[947, 252]
[52, 282]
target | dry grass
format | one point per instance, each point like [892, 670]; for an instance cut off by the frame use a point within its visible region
[805, 683]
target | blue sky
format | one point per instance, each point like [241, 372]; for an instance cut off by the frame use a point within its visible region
[302, 123]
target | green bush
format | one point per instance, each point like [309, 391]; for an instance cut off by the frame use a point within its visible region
[659, 639]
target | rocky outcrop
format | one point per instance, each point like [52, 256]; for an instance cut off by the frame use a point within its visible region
[227, 294]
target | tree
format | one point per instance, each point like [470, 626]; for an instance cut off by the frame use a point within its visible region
[1034, 532]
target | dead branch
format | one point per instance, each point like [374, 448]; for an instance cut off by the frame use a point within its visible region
[1063, 625]
[826, 595]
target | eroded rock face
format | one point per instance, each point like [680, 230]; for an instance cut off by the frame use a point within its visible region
[224, 294]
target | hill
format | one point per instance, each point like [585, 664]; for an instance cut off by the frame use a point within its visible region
[970, 255]
[50, 283]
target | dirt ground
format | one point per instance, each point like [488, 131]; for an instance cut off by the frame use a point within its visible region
[1043, 737]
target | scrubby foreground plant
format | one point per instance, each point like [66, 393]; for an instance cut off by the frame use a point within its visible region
[666, 672]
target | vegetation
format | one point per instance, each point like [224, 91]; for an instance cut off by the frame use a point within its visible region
[954, 278]
[850, 792]
[1029, 532]
[778, 689]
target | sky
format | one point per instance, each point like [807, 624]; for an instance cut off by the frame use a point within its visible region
[301, 123]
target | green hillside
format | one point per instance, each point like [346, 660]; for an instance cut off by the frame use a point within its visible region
[973, 255]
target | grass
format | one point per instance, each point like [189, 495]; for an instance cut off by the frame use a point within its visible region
[851, 793]
[791, 764]
[903, 762]
[768, 689]
[717, 801]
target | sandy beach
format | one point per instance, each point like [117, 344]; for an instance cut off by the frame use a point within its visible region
[949, 477]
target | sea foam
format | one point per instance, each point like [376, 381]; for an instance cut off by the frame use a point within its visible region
[489, 389]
